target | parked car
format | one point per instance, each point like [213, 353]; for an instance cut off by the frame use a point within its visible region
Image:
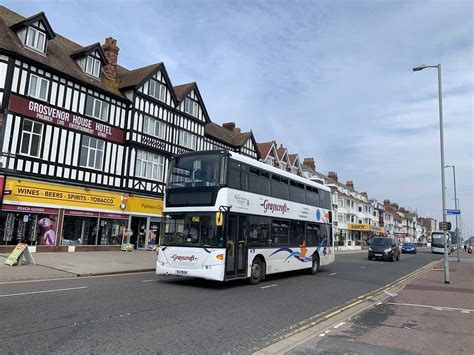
[384, 248]
[409, 248]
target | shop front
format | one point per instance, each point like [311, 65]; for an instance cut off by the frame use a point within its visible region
[51, 217]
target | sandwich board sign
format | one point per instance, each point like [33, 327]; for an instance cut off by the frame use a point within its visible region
[20, 253]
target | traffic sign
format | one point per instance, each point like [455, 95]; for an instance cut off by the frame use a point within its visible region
[453, 211]
[445, 226]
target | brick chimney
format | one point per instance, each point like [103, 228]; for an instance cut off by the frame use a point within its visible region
[332, 176]
[309, 162]
[111, 53]
[350, 184]
[229, 125]
[386, 202]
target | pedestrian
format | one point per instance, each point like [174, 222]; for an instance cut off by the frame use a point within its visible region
[465, 247]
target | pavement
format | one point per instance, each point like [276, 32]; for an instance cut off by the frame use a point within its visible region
[422, 315]
[64, 265]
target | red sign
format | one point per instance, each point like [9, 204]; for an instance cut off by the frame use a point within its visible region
[95, 214]
[29, 209]
[63, 118]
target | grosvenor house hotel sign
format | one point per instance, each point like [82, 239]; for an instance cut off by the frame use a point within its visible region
[64, 118]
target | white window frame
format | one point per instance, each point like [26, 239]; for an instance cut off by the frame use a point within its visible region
[92, 145]
[149, 165]
[154, 127]
[157, 86]
[102, 113]
[37, 34]
[94, 67]
[191, 107]
[34, 90]
[30, 135]
[188, 140]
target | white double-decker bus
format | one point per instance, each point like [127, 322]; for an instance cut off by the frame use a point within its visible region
[231, 217]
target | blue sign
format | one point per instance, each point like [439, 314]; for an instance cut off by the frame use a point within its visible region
[453, 211]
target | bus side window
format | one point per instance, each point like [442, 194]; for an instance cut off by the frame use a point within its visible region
[296, 233]
[234, 175]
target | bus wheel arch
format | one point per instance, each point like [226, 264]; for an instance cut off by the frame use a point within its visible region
[315, 264]
[258, 269]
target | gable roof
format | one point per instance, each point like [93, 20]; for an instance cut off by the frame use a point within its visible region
[265, 148]
[181, 91]
[282, 152]
[293, 158]
[130, 78]
[89, 49]
[40, 16]
[58, 58]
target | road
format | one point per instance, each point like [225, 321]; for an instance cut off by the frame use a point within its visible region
[146, 313]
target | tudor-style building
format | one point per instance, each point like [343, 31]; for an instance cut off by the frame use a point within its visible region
[85, 143]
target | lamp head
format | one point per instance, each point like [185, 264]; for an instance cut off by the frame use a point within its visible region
[421, 67]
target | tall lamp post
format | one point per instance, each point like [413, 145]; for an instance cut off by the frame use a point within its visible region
[441, 139]
[455, 206]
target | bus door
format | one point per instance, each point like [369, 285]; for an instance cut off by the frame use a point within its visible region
[236, 253]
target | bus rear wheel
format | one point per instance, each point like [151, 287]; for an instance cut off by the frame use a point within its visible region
[256, 273]
[315, 265]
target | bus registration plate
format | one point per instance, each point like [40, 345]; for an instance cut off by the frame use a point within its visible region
[181, 272]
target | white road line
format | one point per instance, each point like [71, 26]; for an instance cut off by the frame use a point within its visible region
[339, 325]
[363, 267]
[321, 335]
[438, 308]
[148, 280]
[45, 291]
[269, 286]
[334, 273]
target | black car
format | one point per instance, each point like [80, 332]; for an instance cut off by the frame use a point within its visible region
[384, 248]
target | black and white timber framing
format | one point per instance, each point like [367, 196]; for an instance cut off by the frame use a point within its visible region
[114, 115]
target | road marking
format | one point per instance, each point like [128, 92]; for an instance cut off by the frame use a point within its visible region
[363, 267]
[340, 324]
[390, 293]
[269, 286]
[148, 280]
[322, 334]
[334, 273]
[45, 291]
[438, 308]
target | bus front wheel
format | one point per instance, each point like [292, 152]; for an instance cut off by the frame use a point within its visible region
[315, 265]
[256, 274]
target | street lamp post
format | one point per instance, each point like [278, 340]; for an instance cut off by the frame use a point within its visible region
[441, 139]
[455, 206]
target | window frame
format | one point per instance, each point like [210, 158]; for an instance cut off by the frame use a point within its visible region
[30, 134]
[91, 112]
[35, 46]
[96, 149]
[39, 81]
[192, 144]
[95, 63]
[152, 122]
[191, 107]
[143, 164]
[161, 90]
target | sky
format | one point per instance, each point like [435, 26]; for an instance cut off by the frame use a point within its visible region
[329, 79]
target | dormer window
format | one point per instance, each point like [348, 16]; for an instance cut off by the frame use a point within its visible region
[93, 66]
[191, 107]
[35, 39]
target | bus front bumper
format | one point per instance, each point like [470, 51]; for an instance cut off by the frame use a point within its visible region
[208, 272]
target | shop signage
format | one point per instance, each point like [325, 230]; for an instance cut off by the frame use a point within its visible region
[24, 191]
[29, 209]
[95, 214]
[20, 250]
[359, 227]
[2, 180]
[144, 205]
[63, 118]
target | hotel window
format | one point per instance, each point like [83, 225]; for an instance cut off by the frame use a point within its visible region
[157, 90]
[92, 153]
[36, 39]
[38, 87]
[149, 165]
[31, 138]
[97, 108]
[153, 127]
[191, 107]
[93, 66]
[187, 140]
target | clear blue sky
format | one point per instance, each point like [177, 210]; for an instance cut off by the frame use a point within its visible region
[328, 79]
